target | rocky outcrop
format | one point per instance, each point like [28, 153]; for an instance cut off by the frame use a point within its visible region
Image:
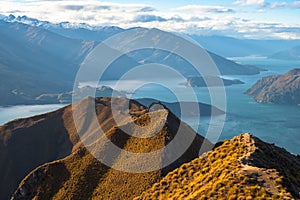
[282, 89]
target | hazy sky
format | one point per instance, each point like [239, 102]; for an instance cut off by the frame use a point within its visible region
[238, 18]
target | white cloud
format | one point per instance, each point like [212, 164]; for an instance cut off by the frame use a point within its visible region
[287, 35]
[195, 19]
[294, 4]
[91, 11]
[249, 2]
[203, 9]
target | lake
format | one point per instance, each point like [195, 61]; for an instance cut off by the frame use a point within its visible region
[21, 111]
[279, 124]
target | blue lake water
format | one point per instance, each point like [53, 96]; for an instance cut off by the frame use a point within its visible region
[279, 124]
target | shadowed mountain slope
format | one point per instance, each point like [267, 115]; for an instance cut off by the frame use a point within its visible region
[31, 142]
[35, 61]
[81, 176]
[27, 143]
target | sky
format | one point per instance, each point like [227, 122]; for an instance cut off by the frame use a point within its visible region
[257, 19]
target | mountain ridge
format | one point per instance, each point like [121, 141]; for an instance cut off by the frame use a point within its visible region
[31, 142]
[99, 181]
[215, 43]
[25, 64]
[241, 168]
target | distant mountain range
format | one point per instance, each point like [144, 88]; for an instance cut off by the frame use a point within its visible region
[281, 89]
[221, 45]
[35, 60]
[83, 31]
[234, 47]
[290, 54]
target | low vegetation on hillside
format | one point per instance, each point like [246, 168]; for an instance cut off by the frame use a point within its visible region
[81, 176]
[241, 168]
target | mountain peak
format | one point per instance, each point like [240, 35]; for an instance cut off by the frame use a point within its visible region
[65, 24]
[100, 181]
[28, 143]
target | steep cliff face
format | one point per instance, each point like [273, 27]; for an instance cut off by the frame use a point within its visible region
[242, 168]
[283, 89]
[82, 176]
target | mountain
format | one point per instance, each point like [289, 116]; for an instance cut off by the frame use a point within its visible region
[51, 144]
[35, 61]
[81, 31]
[241, 168]
[221, 45]
[290, 54]
[53, 163]
[281, 89]
[228, 67]
[225, 66]
[235, 47]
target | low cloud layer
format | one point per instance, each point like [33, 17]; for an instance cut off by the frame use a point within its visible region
[232, 20]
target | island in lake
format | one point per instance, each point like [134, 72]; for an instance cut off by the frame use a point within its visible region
[211, 81]
[278, 89]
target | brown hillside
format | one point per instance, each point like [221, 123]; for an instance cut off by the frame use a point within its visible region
[282, 89]
[28, 143]
[81, 176]
[242, 168]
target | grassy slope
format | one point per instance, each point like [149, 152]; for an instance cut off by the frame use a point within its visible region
[81, 176]
[28, 143]
[241, 168]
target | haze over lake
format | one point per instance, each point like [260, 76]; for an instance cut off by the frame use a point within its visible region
[13, 112]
